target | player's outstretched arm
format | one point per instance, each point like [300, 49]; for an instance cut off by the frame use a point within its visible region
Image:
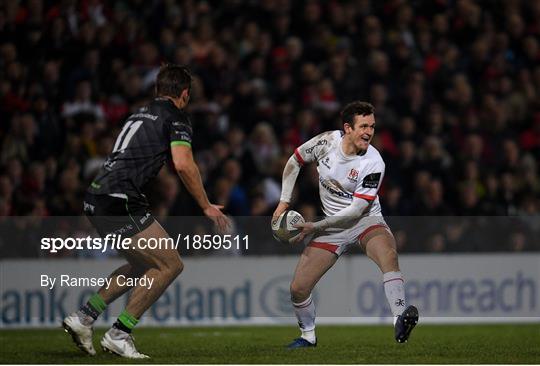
[187, 169]
[340, 219]
[343, 217]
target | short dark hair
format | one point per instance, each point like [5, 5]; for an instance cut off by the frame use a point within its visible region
[356, 108]
[172, 80]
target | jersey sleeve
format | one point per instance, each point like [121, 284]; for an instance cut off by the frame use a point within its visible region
[181, 132]
[370, 181]
[313, 149]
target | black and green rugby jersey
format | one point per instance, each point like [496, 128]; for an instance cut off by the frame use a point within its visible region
[142, 147]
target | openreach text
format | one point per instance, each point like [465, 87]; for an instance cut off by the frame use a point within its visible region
[455, 297]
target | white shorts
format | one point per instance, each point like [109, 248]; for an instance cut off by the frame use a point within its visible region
[337, 242]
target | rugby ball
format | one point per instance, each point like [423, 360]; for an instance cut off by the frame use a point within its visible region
[283, 228]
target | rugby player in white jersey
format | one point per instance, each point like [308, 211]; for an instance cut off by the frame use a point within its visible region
[350, 174]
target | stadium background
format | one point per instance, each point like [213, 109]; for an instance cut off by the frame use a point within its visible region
[455, 84]
[456, 88]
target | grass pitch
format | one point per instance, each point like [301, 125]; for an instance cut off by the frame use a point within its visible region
[337, 345]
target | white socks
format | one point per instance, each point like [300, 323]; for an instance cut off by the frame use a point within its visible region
[393, 288]
[305, 313]
[395, 292]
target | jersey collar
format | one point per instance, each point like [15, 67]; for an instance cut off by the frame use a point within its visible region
[168, 101]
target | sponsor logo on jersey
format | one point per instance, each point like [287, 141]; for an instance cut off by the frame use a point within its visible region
[144, 218]
[123, 229]
[144, 115]
[326, 162]
[88, 208]
[333, 186]
[371, 180]
[108, 164]
[182, 127]
[322, 142]
[184, 136]
[353, 176]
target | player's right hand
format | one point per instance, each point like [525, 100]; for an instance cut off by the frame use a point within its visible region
[222, 222]
[281, 207]
[307, 229]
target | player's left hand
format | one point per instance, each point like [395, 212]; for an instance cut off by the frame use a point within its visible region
[307, 229]
[222, 222]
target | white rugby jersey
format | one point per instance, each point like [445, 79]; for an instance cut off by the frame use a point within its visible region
[343, 176]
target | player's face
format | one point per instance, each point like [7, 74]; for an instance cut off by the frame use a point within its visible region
[361, 132]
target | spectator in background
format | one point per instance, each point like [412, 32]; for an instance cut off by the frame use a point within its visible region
[238, 204]
[82, 103]
[263, 147]
[19, 142]
[455, 86]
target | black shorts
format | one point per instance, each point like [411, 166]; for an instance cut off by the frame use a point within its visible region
[115, 215]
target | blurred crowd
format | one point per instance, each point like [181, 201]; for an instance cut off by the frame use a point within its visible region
[455, 84]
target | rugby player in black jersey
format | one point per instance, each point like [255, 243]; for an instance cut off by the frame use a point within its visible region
[115, 204]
